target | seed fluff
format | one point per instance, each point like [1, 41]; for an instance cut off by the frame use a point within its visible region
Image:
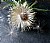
[21, 15]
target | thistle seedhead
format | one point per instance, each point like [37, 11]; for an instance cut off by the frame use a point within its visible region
[21, 14]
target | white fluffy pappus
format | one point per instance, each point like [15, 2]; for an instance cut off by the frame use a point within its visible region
[21, 16]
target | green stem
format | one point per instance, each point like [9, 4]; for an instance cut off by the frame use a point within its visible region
[33, 4]
[40, 9]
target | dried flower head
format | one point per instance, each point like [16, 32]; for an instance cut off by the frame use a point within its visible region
[21, 15]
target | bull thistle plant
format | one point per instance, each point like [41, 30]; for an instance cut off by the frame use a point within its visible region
[21, 14]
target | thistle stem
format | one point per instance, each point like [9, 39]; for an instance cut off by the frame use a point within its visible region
[40, 9]
[33, 4]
